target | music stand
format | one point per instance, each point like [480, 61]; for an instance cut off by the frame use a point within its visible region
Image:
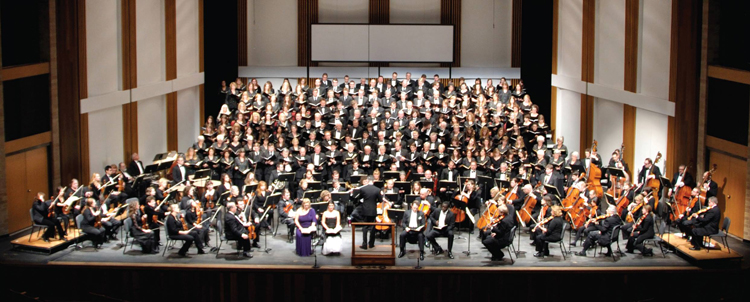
[270, 201]
[287, 177]
[402, 185]
[427, 184]
[202, 174]
[485, 182]
[311, 195]
[396, 215]
[502, 183]
[552, 190]
[460, 204]
[314, 185]
[391, 175]
[248, 188]
[416, 176]
[448, 185]
[379, 184]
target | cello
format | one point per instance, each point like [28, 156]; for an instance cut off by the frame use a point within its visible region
[464, 198]
[595, 175]
[528, 205]
[382, 217]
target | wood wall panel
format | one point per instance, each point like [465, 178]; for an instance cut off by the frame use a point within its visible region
[242, 32]
[3, 166]
[515, 57]
[684, 83]
[587, 122]
[380, 12]
[588, 48]
[555, 35]
[28, 142]
[450, 14]
[730, 176]
[202, 96]
[24, 71]
[54, 100]
[628, 135]
[130, 130]
[171, 61]
[129, 79]
[307, 13]
[68, 93]
[631, 44]
[83, 91]
[172, 142]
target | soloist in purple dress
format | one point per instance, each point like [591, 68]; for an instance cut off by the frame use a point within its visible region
[304, 241]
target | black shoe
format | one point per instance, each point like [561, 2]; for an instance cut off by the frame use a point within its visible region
[440, 251]
[256, 245]
[630, 251]
[45, 239]
[695, 248]
[401, 254]
[372, 245]
[450, 255]
[607, 254]
[539, 254]
[546, 253]
[161, 244]
[246, 255]
[364, 247]
[201, 252]
[113, 237]
[496, 259]
[532, 243]
[421, 256]
[648, 253]
[573, 244]
[581, 253]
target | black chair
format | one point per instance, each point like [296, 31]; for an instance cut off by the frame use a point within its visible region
[657, 240]
[40, 227]
[511, 248]
[614, 238]
[126, 225]
[80, 239]
[722, 235]
[169, 244]
[561, 242]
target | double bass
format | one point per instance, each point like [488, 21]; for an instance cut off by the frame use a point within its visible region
[654, 182]
[595, 175]
[680, 198]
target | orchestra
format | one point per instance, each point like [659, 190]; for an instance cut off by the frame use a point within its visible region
[465, 149]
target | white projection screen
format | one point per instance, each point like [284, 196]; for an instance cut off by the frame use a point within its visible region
[381, 43]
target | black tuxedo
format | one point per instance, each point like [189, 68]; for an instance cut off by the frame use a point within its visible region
[177, 175]
[707, 224]
[233, 230]
[446, 231]
[412, 235]
[370, 196]
[133, 168]
[554, 232]
[501, 239]
[556, 180]
[713, 189]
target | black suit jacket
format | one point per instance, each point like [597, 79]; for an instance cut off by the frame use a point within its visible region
[554, 229]
[133, 168]
[556, 180]
[233, 228]
[467, 173]
[407, 218]
[450, 219]
[646, 228]
[710, 220]
[177, 175]
[713, 189]
[687, 180]
[370, 195]
[40, 210]
[607, 226]
[503, 228]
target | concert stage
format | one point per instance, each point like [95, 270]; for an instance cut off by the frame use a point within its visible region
[280, 274]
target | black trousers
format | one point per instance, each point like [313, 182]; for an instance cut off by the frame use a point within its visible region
[145, 240]
[371, 230]
[697, 236]
[440, 233]
[410, 236]
[636, 242]
[626, 229]
[244, 244]
[541, 241]
[585, 231]
[189, 239]
[97, 234]
[52, 225]
[593, 238]
[111, 226]
[495, 245]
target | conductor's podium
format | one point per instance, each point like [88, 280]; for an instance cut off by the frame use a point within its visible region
[380, 255]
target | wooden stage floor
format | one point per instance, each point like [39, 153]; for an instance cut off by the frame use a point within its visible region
[282, 255]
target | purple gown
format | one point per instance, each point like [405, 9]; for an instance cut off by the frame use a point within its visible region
[304, 241]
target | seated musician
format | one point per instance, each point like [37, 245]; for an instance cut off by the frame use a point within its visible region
[548, 232]
[57, 205]
[40, 215]
[644, 229]
[425, 197]
[75, 190]
[413, 224]
[500, 234]
[603, 235]
[140, 232]
[287, 208]
[705, 223]
[176, 231]
[594, 210]
[192, 217]
[236, 229]
[471, 191]
[89, 224]
[539, 215]
[155, 215]
[332, 226]
[442, 222]
[682, 223]
[634, 212]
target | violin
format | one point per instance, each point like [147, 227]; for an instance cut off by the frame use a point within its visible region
[184, 224]
[98, 222]
[635, 226]
[599, 218]
[632, 212]
[543, 222]
[144, 219]
[701, 212]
